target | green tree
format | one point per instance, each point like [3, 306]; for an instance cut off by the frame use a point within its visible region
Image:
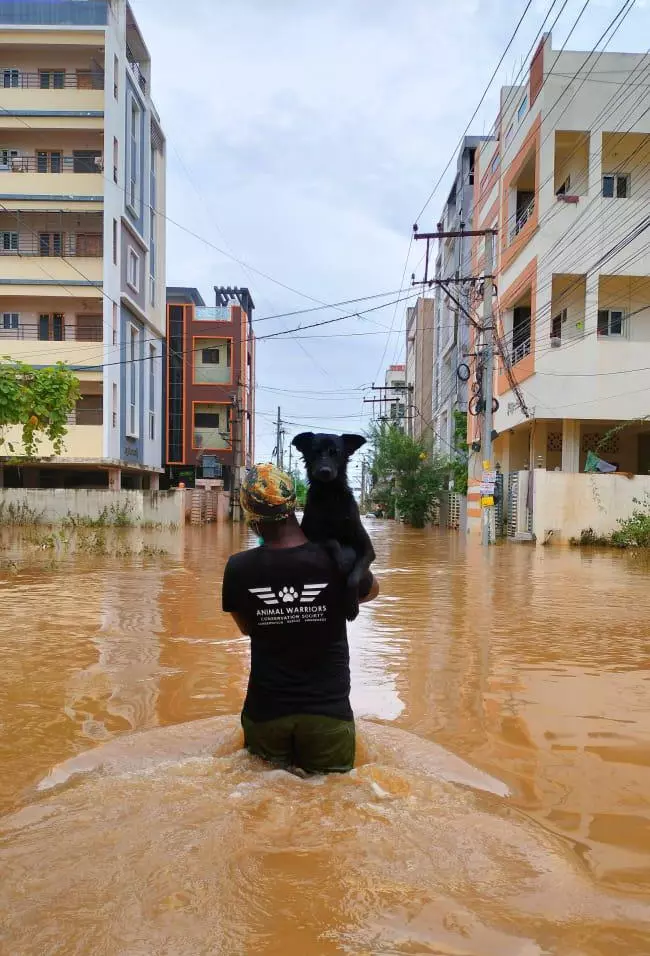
[37, 400]
[300, 485]
[460, 457]
[408, 477]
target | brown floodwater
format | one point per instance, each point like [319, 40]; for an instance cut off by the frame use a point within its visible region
[501, 802]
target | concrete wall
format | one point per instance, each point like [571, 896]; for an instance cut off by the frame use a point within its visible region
[55, 505]
[568, 503]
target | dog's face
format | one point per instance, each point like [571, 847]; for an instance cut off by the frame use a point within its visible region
[326, 456]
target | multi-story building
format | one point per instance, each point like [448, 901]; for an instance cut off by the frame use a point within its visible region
[565, 183]
[210, 386]
[419, 367]
[82, 231]
[452, 304]
[394, 401]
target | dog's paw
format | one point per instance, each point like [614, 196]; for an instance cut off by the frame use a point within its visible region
[288, 595]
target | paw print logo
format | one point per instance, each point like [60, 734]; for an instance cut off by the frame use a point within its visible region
[288, 595]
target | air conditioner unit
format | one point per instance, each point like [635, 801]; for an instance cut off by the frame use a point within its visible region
[556, 341]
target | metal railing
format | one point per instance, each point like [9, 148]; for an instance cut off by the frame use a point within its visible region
[53, 333]
[520, 351]
[11, 79]
[522, 218]
[52, 163]
[53, 244]
[137, 70]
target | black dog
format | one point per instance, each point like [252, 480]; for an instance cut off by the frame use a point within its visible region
[331, 512]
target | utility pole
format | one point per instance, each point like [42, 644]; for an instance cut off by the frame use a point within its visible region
[290, 447]
[278, 440]
[362, 502]
[488, 376]
[237, 423]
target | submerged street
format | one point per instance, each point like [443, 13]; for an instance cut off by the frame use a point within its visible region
[530, 664]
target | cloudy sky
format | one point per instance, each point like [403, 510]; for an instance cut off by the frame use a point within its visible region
[304, 137]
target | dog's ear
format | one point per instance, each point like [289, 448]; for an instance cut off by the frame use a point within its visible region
[303, 441]
[351, 443]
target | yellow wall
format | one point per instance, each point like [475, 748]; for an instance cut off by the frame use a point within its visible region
[82, 441]
[53, 184]
[47, 353]
[49, 267]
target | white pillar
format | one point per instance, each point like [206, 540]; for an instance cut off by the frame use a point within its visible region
[570, 445]
[591, 305]
[538, 445]
[154, 482]
[115, 479]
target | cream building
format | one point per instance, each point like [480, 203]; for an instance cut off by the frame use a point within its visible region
[82, 235]
[565, 181]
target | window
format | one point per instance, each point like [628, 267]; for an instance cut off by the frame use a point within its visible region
[114, 323]
[51, 79]
[212, 360]
[87, 161]
[556, 327]
[50, 327]
[115, 242]
[523, 106]
[10, 320]
[616, 186]
[116, 158]
[565, 187]
[133, 270]
[116, 77]
[9, 242]
[133, 382]
[152, 392]
[48, 161]
[6, 158]
[611, 322]
[50, 243]
[509, 133]
[211, 425]
[133, 194]
[114, 406]
[10, 79]
[495, 163]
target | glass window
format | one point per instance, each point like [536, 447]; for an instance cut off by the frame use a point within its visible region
[10, 320]
[133, 273]
[523, 106]
[616, 185]
[611, 322]
[11, 78]
[9, 241]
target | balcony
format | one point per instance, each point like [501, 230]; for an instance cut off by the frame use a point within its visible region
[212, 313]
[136, 69]
[54, 162]
[51, 90]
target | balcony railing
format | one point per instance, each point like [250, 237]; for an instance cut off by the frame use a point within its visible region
[51, 163]
[54, 245]
[520, 351]
[11, 79]
[522, 218]
[135, 66]
[54, 331]
[41, 12]
[219, 313]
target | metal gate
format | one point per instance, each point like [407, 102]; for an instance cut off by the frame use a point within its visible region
[513, 488]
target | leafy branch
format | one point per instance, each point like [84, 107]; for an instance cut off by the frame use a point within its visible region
[39, 400]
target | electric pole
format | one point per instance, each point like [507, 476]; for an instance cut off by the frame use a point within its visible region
[279, 436]
[362, 502]
[488, 376]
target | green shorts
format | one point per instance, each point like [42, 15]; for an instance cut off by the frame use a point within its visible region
[312, 743]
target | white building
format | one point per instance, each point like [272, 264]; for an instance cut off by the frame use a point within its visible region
[82, 231]
[566, 182]
[394, 401]
[453, 301]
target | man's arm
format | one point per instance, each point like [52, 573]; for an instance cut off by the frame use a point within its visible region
[372, 584]
[229, 599]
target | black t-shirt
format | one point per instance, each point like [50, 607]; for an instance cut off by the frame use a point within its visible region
[292, 601]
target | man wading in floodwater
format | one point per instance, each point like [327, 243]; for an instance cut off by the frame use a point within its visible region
[288, 595]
